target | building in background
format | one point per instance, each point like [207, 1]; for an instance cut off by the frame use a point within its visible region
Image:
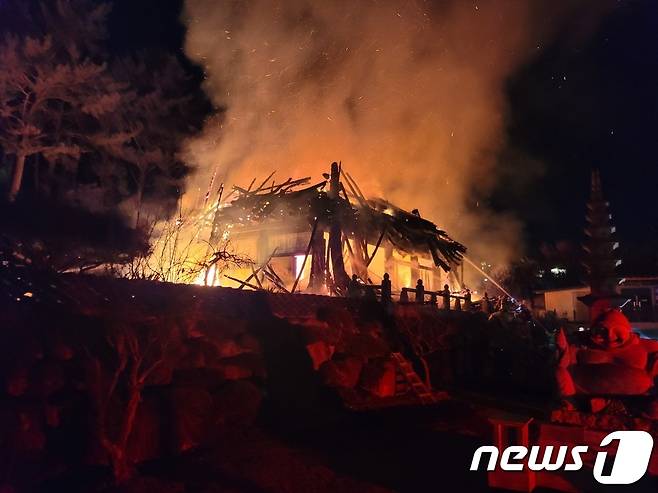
[640, 303]
[563, 303]
[641, 306]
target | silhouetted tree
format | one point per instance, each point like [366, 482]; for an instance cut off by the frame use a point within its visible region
[50, 107]
[155, 113]
[521, 278]
[92, 129]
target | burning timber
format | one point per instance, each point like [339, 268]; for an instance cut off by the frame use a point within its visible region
[303, 237]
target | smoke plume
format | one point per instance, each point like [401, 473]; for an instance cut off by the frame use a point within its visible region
[409, 95]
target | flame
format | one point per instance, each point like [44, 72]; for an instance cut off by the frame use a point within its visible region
[299, 264]
[207, 277]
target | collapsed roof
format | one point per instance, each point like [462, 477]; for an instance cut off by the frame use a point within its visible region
[370, 219]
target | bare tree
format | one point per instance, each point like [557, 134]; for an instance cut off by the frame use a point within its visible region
[94, 131]
[118, 371]
[178, 254]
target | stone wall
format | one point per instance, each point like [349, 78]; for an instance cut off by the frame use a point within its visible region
[94, 368]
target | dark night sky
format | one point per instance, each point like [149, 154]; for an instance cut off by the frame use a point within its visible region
[595, 105]
[573, 107]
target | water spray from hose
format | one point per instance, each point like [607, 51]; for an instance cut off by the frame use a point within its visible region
[488, 276]
[514, 300]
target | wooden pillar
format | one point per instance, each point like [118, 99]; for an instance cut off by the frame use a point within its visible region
[340, 277]
[415, 269]
[359, 260]
[318, 266]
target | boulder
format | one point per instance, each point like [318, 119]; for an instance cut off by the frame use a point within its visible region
[206, 378]
[319, 352]
[240, 367]
[198, 353]
[235, 371]
[243, 343]
[342, 372]
[378, 377]
[228, 347]
[364, 345]
[237, 404]
[332, 316]
[191, 412]
[316, 330]
[221, 327]
[249, 343]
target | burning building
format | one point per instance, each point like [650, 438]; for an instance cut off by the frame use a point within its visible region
[307, 237]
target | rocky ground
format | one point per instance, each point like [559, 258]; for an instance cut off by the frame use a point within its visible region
[410, 450]
[110, 385]
[106, 380]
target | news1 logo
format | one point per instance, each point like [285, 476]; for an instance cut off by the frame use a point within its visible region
[630, 462]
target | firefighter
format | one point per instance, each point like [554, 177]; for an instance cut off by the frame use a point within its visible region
[386, 289]
[354, 287]
[485, 304]
[420, 292]
[446, 297]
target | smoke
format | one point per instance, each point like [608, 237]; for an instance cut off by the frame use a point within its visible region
[409, 95]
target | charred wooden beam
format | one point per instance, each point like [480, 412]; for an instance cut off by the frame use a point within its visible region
[260, 187]
[374, 252]
[341, 279]
[242, 283]
[359, 258]
[254, 273]
[318, 266]
[274, 278]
